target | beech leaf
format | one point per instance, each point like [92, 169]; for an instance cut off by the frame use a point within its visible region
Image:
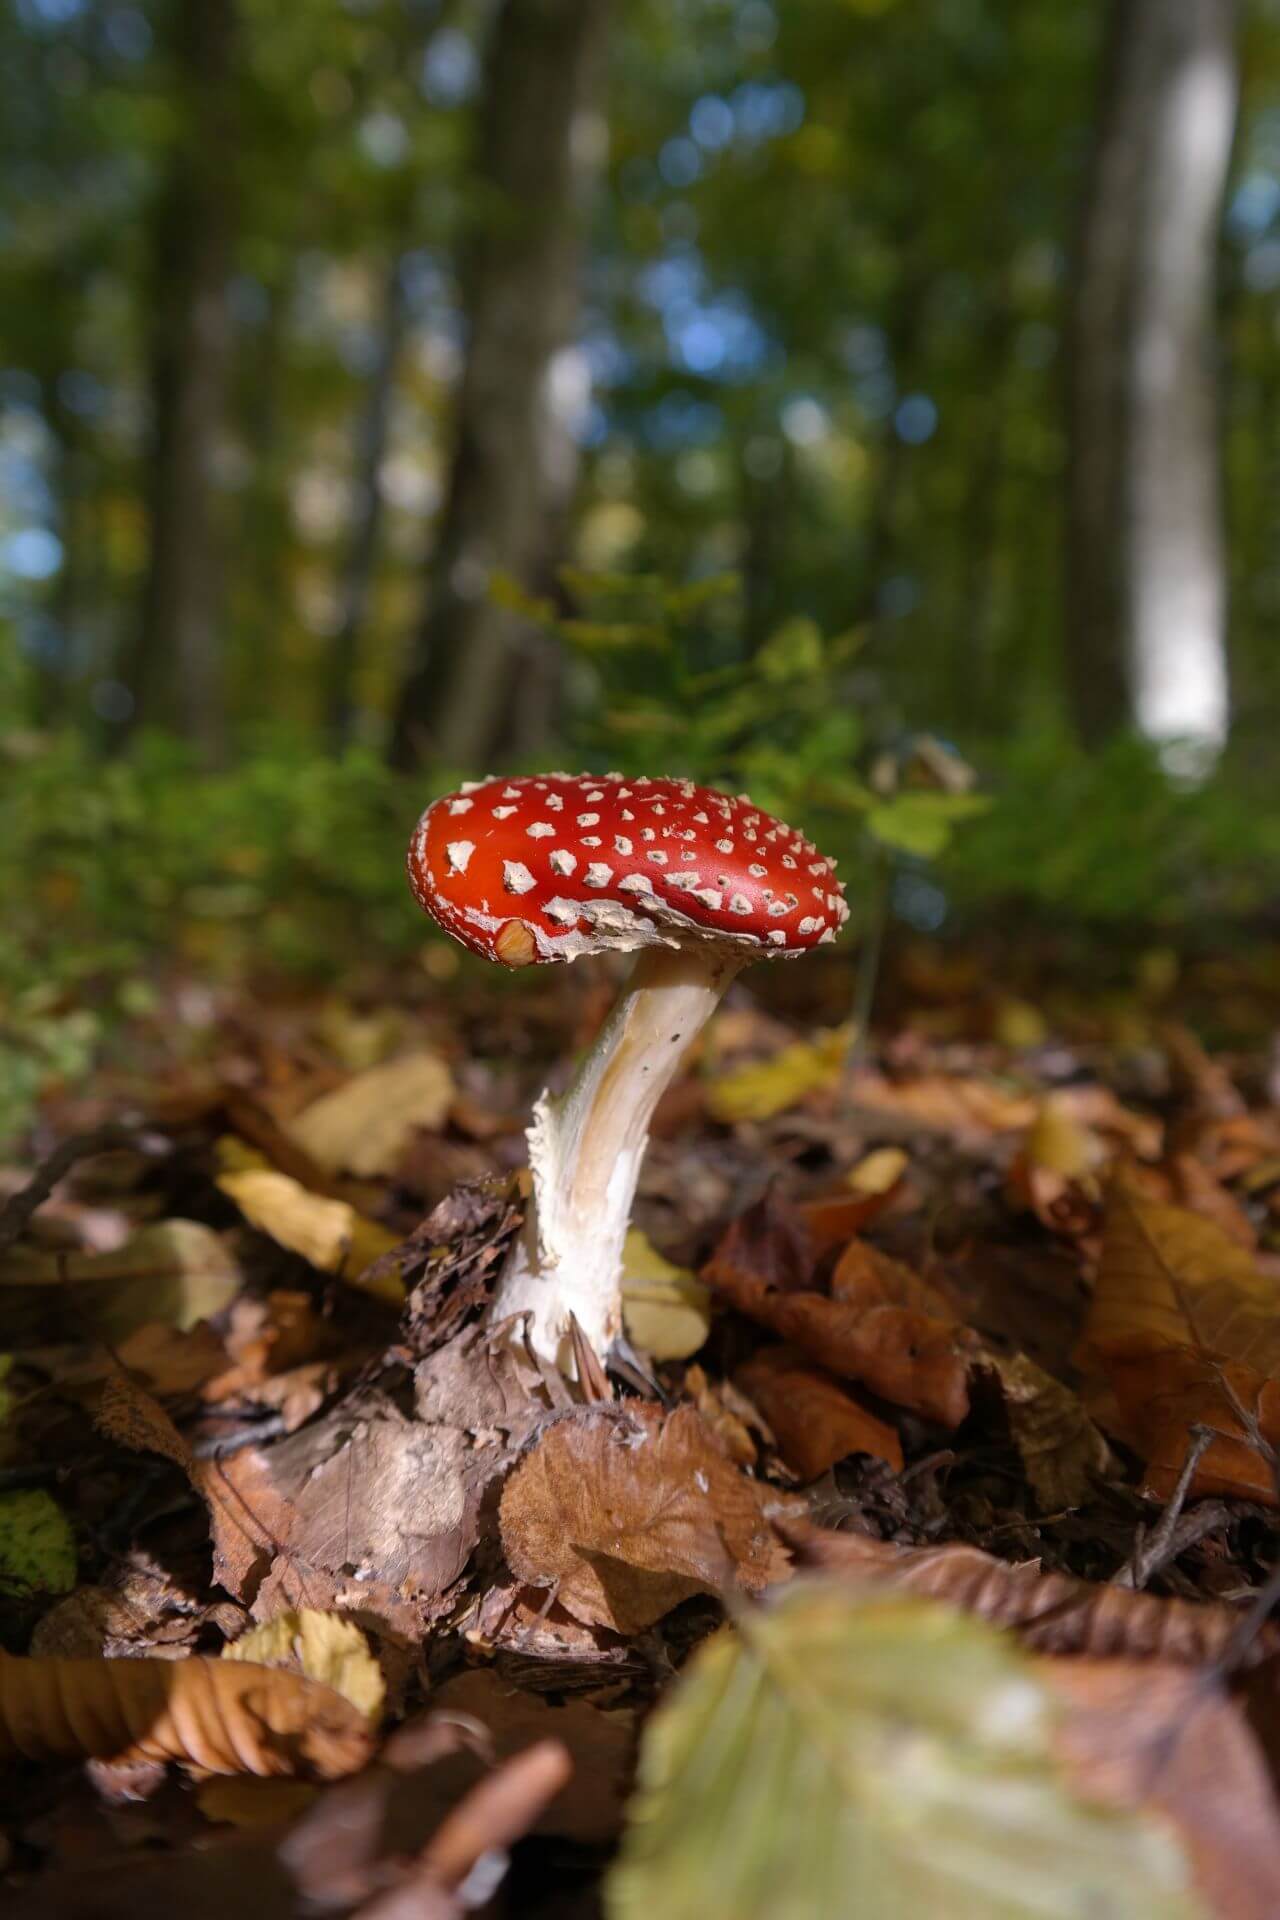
[665, 1309]
[814, 1419]
[768, 1087]
[328, 1233]
[1185, 1326]
[628, 1514]
[364, 1126]
[843, 1753]
[1052, 1612]
[324, 1647]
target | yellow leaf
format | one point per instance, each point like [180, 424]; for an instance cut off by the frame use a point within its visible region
[1018, 1025]
[365, 1126]
[324, 1647]
[768, 1087]
[328, 1233]
[174, 1271]
[666, 1311]
[1057, 1141]
[878, 1171]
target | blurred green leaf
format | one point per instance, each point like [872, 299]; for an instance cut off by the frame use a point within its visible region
[884, 1757]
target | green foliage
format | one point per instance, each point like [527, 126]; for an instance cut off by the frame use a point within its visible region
[37, 1547]
[1109, 838]
[886, 1757]
[291, 864]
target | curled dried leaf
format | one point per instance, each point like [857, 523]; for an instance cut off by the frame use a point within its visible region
[884, 1326]
[211, 1716]
[1052, 1612]
[815, 1420]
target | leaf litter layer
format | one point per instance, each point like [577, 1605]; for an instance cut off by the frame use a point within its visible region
[984, 1334]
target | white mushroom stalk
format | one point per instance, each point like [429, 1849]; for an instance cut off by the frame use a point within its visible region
[585, 1150]
[554, 867]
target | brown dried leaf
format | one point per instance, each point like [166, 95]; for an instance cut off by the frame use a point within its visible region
[1183, 1323]
[1060, 1447]
[128, 1413]
[600, 1744]
[1142, 1734]
[885, 1327]
[208, 1715]
[1052, 1612]
[375, 1516]
[815, 1420]
[627, 1515]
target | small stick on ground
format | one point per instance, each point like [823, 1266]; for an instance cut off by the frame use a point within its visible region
[1153, 1550]
[17, 1211]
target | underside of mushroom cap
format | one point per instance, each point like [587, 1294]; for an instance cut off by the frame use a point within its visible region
[592, 862]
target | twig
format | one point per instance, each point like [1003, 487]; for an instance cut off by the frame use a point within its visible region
[1152, 1550]
[19, 1208]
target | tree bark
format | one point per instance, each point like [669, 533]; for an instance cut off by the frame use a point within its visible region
[1146, 579]
[371, 447]
[515, 457]
[177, 677]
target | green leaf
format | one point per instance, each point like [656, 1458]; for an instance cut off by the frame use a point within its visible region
[923, 823]
[37, 1547]
[885, 1757]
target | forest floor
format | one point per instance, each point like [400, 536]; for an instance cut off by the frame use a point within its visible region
[985, 1309]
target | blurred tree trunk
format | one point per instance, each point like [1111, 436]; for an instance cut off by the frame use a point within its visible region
[1146, 571]
[178, 676]
[515, 458]
[371, 447]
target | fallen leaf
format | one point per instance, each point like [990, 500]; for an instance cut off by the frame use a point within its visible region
[210, 1715]
[768, 1087]
[666, 1310]
[1063, 1452]
[727, 1416]
[37, 1546]
[879, 1171]
[374, 1516]
[968, 1108]
[1052, 1612]
[324, 1647]
[1195, 1187]
[330, 1234]
[1137, 1734]
[1183, 1323]
[599, 1743]
[128, 1413]
[625, 1515]
[846, 1752]
[175, 1271]
[814, 1419]
[885, 1327]
[364, 1126]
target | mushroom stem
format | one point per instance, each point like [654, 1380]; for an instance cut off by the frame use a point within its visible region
[585, 1149]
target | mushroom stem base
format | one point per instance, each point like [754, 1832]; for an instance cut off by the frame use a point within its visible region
[585, 1151]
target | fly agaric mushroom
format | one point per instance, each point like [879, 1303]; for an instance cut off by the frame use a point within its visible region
[552, 867]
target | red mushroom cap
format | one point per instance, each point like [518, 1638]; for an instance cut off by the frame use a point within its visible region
[552, 866]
